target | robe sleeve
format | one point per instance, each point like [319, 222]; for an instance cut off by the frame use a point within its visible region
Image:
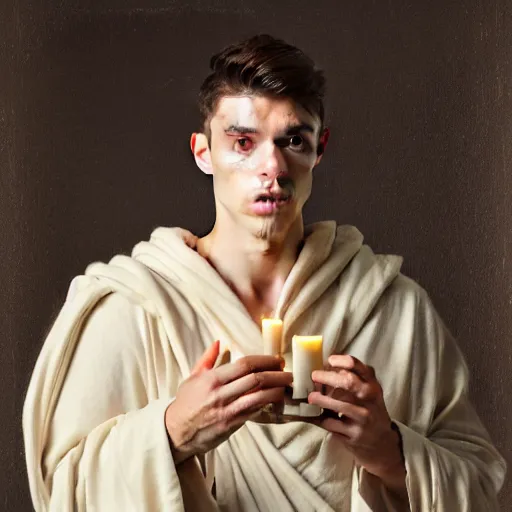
[450, 461]
[107, 447]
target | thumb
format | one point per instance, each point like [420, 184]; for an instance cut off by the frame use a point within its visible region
[207, 360]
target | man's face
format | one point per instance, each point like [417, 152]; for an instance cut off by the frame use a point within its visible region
[262, 152]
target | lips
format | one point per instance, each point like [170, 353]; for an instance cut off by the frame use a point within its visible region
[273, 198]
[269, 203]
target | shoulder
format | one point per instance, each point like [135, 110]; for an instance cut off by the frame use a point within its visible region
[112, 327]
[413, 309]
[115, 309]
[406, 288]
[408, 298]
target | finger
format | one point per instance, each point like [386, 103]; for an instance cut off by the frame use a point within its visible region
[258, 398]
[338, 427]
[344, 380]
[207, 360]
[251, 382]
[339, 394]
[246, 365]
[351, 363]
[354, 412]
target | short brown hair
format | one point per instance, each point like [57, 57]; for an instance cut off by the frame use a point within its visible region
[266, 66]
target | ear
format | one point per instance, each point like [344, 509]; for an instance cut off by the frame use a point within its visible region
[322, 144]
[201, 152]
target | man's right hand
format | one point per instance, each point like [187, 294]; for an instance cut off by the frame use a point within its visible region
[215, 402]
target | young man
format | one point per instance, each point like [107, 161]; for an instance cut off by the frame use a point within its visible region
[127, 409]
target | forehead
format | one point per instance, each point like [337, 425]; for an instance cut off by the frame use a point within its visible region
[262, 113]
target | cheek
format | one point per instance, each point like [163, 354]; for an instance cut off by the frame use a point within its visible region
[304, 185]
[233, 159]
[234, 171]
[301, 162]
[236, 161]
[302, 173]
[230, 184]
[303, 179]
[227, 163]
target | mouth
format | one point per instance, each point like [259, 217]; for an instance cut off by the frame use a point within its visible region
[278, 199]
[269, 203]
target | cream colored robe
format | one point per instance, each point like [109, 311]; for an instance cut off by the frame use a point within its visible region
[130, 331]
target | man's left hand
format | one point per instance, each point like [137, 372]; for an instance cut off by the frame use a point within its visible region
[360, 419]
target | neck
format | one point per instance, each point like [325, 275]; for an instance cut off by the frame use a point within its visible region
[255, 269]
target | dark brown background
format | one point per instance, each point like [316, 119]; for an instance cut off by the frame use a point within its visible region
[96, 108]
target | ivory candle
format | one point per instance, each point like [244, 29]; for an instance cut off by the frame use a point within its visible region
[307, 357]
[271, 330]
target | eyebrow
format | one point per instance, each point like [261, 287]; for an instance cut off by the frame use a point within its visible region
[297, 128]
[290, 130]
[235, 128]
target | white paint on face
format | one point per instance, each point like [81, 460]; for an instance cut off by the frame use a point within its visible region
[256, 183]
[234, 158]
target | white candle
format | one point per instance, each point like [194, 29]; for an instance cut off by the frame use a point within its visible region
[271, 330]
[307, 357]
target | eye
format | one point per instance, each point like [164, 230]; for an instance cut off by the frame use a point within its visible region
[244, 143]
[297, 142]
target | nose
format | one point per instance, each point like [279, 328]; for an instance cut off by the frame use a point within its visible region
[273, 165]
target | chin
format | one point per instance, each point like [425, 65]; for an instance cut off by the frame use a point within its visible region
[271, 228]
